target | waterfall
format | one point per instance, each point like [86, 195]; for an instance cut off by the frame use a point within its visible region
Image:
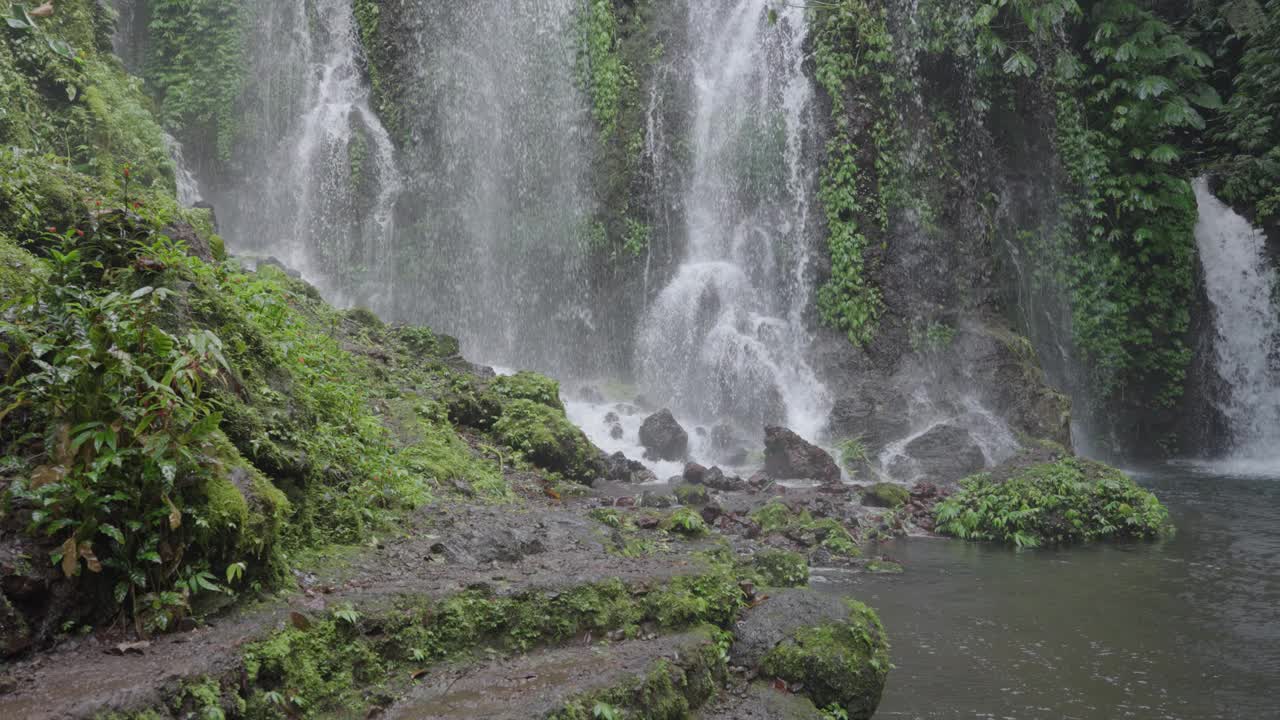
[188, 185]
[1241, 283]
[319, 176]
[498, 149]
[726, 337]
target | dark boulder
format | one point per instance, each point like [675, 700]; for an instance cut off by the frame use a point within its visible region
[663, 438]
[621, 469]
[185, 233]
[945, 454]
[715, 479]
[694, 473]
[787, 456]
[875, 414]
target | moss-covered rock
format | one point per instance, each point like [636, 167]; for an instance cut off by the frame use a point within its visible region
[841, 663]
[527, 385]
[885, 494]
[17, 269]
[780, 568]
[692, 495]
[1070, 500]
[685, 521]
[546, 438]
[671, 690]
[803, 528]
[471, 405]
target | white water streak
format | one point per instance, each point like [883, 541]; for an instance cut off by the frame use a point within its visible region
[1240, 280]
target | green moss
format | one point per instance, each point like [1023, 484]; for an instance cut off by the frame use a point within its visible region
[780, 568]
[17, 269]
[298, 672]
[226, 506]
[692, 494]
[527, 385]
[838, 663]
[885, 494]
[777, 518]
[671, 690]
[364, 317]
[685, 521]
[544, 436]
[1067, 501]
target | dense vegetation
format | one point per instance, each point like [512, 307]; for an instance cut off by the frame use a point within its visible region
[1052, 503]
[1137, 99]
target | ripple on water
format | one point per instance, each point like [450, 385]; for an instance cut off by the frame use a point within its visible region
[1185, 628]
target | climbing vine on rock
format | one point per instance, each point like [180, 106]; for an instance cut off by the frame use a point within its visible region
[1128, 96]
[852, 47]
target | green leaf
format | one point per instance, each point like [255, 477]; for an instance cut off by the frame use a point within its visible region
[62, 48]
[112, 532]
[1020, 63]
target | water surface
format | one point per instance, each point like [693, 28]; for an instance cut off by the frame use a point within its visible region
[1184, 628]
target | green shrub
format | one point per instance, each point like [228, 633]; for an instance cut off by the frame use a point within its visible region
[1068, 501]
[685, 521]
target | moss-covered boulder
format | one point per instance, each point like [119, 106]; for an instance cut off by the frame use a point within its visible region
[780, 568]
[1070, 500]
[885, 494]
[844, 662]
[527, 385]
[546, 438]
[243, 513]
[692, 494]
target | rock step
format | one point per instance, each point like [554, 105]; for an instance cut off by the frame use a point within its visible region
[508, 552]
[760, 701]
[544, 681]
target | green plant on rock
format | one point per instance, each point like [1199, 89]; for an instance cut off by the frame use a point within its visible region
[842, 664]
[685, 521]
[114, 409]
[546, 438]
[829, 533]
[852, 44]
[1068, 501]
[527, 385]
[196, 66]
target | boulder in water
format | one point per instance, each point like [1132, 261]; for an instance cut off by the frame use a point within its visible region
[787, 456]
[663, 438]
[946, 453]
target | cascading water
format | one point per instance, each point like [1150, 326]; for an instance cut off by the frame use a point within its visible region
[1241, 282]
[498, 141]
[725, 340]
[188, 185]
[319, 174]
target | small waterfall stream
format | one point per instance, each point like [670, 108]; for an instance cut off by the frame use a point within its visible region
[320, 175]
[1241, 282]
[725, 339]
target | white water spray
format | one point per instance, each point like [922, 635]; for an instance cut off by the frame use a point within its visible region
[321, 177]
[1241, 283]
[725, 339]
